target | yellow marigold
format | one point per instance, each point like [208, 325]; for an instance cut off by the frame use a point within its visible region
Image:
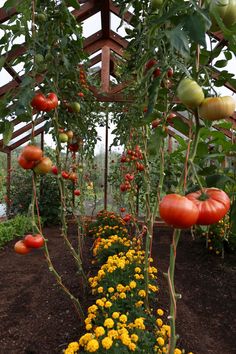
[109, 323]
[177, 351]
[134, 337]
[120, 288]
[167, 329]
[113, 334]
[99, 302]
[142, 293]
[133, 284]
[107, 342]
[111, 290]
[123, 318]
[100, 289]
[139, 303]
[74, 346]
[108, 304]
[85, 338]
[125, 339]
[92, 308]
[99, 331]
[160, 341]
[88, 327]
[138, 323]
[92, 346]
[137, 270]
[137, 276]
[159, 322]
[69, 351]
[132, 347]
[122, 295]
[115, 315]
[160, 312]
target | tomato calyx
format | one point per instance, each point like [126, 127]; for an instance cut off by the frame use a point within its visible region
[203, 196]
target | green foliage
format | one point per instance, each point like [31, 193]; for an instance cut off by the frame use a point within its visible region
[14, 228]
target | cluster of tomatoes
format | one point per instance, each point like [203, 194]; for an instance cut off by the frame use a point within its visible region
[82, 78]
[157, 71]
[169, 120]
[31, 157]
[40, 102]
[72, 176]
[204, 207]
[28, 243]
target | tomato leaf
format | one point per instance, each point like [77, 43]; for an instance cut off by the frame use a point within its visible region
[217, 181]
[74, 3]
[7, 133]
[179, 41]
[196, 27]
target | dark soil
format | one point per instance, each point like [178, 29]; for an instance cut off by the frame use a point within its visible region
[36, 317]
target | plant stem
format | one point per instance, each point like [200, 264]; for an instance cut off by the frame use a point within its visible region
[173, 295]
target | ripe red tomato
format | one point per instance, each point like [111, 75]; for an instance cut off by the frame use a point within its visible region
[129, 177]
[80, 94]
[34, 241]
[155, 123]
[21, 248]
[123, 188]
[52, 102]
[139, 166]
[77, 192]
[157, 72]
[73, 176]
[27, 165]
[73, 147]
[176, 211]
[32, 153]
[122, 210]
[54, 170]
[65, 174]
[170, 72]
[150, 64]
[39, 102]
[123, 158]
[212, 205]
[171, 116]
[127, 217]
[44, 166]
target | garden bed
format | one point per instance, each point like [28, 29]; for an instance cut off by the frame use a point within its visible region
[37, 318]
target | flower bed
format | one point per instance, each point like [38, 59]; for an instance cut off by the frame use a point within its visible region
[118, 321]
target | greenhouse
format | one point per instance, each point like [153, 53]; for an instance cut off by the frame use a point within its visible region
[117, 176]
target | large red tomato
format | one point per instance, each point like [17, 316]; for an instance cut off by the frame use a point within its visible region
[52, 102]
[178, 211]
[35, 241]
[21, 248]
[39, 102]
[213, 204]
[27, 165]
[32, 153]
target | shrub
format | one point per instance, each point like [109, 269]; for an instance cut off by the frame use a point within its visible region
[14, 228]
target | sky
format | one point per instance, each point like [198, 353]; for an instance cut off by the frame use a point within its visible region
[90, 26]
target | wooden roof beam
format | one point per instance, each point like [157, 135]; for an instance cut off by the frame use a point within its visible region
[105, 18]
[127, 16]
[90, 8]
[6, 15]
[26, 138]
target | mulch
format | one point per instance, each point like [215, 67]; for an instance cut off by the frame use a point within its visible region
[36, 317]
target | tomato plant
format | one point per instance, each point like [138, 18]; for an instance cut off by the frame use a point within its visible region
[212, 204]
[176, 211]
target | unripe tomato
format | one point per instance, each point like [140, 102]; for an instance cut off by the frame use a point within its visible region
[70, 134]
[32, 153]
[226, 9]
[63, 137]
[176, 211]
[44, 166]
[21, 248]
[213, 204]
[27, 165]
[216, 108]
[190, 93]
[75, 106]
[35, 241]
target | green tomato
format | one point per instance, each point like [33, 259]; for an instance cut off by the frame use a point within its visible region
[63, 137]
[190, 93]
[156, 4]
[39, 58]
[75, 106]
[226, 9]
[41, 17]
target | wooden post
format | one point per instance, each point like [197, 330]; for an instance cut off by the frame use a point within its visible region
[106, 163]
[42, 141]
[8, 183]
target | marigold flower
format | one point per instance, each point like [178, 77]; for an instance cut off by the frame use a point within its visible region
[160, 312]
[160, 341]
[107, 342]
[123, 318]
[134, 337]
[115, 315]
[99, 331]
[109, 323]
[92, 346]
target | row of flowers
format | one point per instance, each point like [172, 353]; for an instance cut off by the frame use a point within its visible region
[118, 321]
